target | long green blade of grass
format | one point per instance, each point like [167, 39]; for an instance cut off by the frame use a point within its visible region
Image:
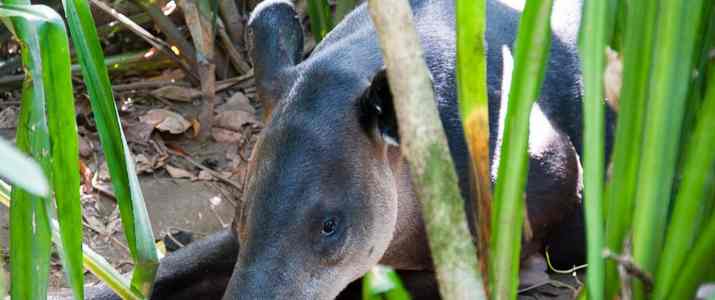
[135, 218]
[474, 110]
[678, 23]
[48, 131]
[320, 21]
[31, 179]
[592, 44]
[29, 226]
[637, 56]
[93, 262]
[689, 201]
[383, 283]
[532, 49]
[343, 8]
[697, 265]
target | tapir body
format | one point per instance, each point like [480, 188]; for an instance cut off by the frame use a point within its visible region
[329, 194]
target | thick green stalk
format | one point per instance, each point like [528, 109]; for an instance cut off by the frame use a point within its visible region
[92, 261]
[424, 144]
[320, 21]
[637, 57]
[697, 265]
[135, 220]
[678, 23]
[474, 111]
[532, 49]
[32, 179]
[592, 44]
[48, 132]
[683, 231]
[343, 8]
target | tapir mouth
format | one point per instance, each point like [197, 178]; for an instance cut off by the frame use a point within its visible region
[257, 283]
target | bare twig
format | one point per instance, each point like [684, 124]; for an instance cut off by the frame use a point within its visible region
[631, 268]
[169, 29]
[237, 60]
[135, 61]
[232, 17]
[150, 84]
[147, 36]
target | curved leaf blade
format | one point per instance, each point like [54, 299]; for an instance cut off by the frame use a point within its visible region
[133, 212]
[31, 178]
[47, 131]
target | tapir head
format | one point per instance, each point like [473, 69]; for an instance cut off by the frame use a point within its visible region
[320, 205]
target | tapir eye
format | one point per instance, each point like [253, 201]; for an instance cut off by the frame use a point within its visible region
[330, 226]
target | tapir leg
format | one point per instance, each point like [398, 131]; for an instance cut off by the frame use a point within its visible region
[198, 271]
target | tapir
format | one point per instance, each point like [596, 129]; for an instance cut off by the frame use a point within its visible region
[329, 194]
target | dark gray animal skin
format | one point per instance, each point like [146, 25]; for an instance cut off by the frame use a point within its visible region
[330, 196]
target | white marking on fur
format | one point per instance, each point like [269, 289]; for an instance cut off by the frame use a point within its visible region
[507, 68]
[515, 4]
[265, 4]
[390, 140]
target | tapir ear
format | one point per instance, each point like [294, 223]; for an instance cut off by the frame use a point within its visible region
[277, 46]
[377, 110]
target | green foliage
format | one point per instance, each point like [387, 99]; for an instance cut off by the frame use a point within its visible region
[31, 179]
[135, 218]
[664, 80]
[320, 14]
[678, 23]
[320, 21]
[592, 44]
[532, 47]
[91, 260]
[383, 283]
[48, 132]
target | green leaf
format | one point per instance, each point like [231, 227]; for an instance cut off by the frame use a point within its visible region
[135, 218]
[320, 21]
[592, 44]
[637, 57]
[46, 130]
[31, 178]
[474, 111]
[532, 49]
[343, 8]
[92, 261]
[683, 230]
[678, 23]
[383, 283]
[697, 265]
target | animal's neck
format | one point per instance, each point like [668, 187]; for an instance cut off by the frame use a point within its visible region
[409, 249]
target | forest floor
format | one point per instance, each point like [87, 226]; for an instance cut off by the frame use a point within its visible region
[191, 186]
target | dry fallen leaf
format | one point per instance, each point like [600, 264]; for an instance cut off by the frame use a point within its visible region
[8, 118]
[165, 120]
[237, 101]
[225, 136]
[85, 146]
[234, 119]
[175, 172]
[196, 127]
[86, 174]
[205, 175]
[176, 93]
[144, 164]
